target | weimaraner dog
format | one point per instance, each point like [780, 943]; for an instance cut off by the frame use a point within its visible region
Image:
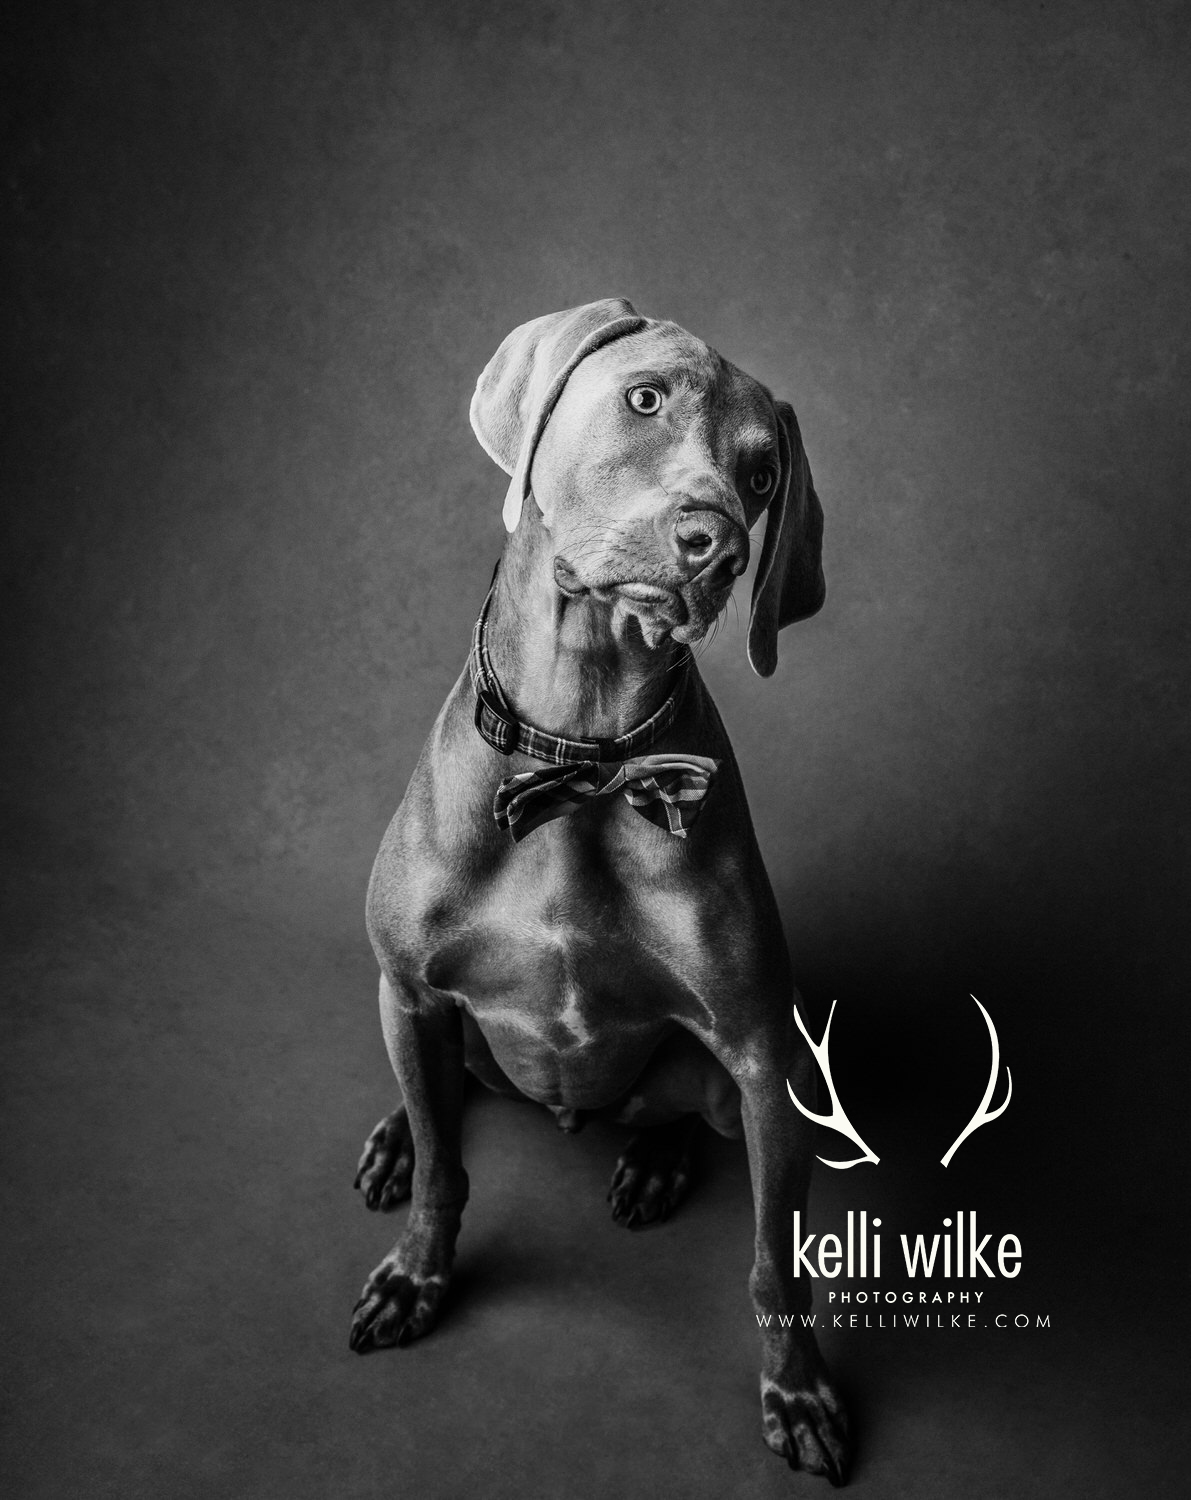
[570, 901]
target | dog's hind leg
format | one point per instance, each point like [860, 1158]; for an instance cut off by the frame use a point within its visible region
[653, 1175]
[682, 1083]
[386, 1167]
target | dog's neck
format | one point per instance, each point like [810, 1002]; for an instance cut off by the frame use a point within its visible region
[562, 664]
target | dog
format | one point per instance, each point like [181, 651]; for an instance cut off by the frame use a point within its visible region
[570, 902]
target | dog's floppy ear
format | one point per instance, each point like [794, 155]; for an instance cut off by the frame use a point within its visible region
[789, 585]
[524, 378]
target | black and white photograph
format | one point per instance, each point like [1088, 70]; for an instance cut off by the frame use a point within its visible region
[596, 749]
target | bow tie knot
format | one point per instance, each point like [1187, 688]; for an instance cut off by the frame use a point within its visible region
[667, 789]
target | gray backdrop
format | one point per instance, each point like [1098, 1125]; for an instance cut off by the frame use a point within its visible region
[259, 254]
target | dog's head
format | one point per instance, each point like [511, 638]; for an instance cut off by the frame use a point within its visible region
[650, 459]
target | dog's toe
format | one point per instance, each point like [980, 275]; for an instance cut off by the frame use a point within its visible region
[386, 1167]
[395, 1308]
[652, 1177]
[808, 1427]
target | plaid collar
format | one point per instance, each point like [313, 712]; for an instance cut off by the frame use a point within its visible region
[498, 724]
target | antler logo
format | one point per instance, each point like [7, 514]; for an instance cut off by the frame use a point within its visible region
[983, 1113]
[838, 1120]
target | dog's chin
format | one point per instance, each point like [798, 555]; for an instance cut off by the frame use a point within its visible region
[691, 633]
[695, 628]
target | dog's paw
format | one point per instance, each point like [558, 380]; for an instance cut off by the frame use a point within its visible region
[396, 1306]
[652, 1177]
[807, 1426]
[387, 1165]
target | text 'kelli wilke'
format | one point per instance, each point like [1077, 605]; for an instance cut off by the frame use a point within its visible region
[958, 1251]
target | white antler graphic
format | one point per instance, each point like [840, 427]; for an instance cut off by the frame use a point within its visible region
[983, 1113]
[836, 1120]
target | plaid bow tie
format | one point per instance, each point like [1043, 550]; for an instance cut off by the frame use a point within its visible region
[667, 789]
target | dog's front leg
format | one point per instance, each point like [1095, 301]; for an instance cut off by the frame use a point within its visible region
[802, 1414]
[401, 1299]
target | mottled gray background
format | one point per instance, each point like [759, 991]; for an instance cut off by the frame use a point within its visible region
[258, 254]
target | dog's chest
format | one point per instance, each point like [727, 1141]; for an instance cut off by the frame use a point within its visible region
[572, 974]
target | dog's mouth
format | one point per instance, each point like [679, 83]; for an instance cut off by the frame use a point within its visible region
[683, 612]
[653, 597]
[659, 612]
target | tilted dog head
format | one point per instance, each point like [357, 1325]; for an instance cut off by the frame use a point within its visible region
[650, 458]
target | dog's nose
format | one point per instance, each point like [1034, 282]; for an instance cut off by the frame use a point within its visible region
[707, 540]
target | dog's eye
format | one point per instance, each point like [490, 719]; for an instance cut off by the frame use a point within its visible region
[645, 399]
[762, 482]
